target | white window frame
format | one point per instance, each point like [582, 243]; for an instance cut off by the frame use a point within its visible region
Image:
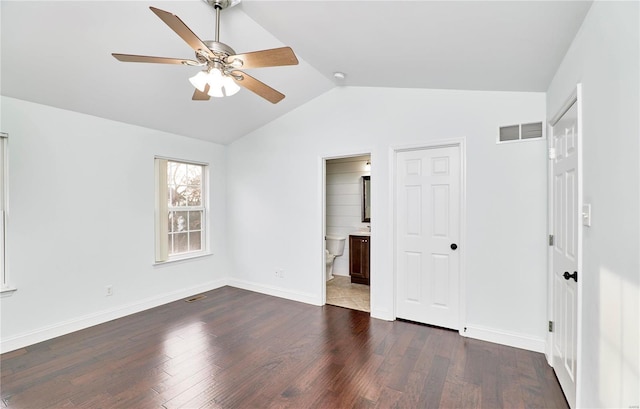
[162, 209]
[5, 287]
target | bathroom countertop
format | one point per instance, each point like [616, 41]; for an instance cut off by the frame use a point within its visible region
[360, 233]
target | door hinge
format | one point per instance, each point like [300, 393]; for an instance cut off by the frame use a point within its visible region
[550, 326]
[551, 239]
[552, 153]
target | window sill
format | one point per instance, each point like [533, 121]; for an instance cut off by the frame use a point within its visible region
[181, 259]
[7, 292]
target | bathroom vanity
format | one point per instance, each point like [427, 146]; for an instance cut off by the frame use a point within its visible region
[359, 255]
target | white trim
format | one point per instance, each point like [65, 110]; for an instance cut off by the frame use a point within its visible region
[523, 140]
[382, 314]
[187, 257]
[463, 233]
[162, 253]
[86, 321]
[306, 298]
[508, 338]
[323, 228]
[580, 249]
[76, 324]
[160, 208]
[185, 161]
[565, 107]
[442, 143]
[5, 286]
[7, 292]
[4, 280]
[550, 231]
[391, 222]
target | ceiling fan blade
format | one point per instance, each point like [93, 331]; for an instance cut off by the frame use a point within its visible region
[157, 60]
[201, 96]
[266, 58]
[182, 30]
[257, 87]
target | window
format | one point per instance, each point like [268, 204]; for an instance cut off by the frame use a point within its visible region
[181, 209]
[4, 284]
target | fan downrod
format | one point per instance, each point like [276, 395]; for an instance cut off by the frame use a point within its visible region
[222, 4]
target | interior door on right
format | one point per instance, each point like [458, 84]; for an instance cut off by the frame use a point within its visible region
[566, 222]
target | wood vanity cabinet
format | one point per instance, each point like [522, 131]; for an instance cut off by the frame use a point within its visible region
[359, 259]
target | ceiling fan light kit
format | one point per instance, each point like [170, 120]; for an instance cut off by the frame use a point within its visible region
[221, 75]
[219, 85]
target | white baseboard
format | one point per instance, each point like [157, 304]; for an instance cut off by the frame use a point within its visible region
[382, 314]
[505, 338]
[86, 321]
[89, 320]
[275, 291]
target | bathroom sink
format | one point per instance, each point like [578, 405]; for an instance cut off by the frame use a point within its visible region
[360, 233]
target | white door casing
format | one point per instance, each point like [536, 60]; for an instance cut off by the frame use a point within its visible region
[566, 249]
[427, 261]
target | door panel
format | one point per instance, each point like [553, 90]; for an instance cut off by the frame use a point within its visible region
[414, 206]
[440, 284]
[414, 276]
[566, 220]
[428, 222]
[440, 194]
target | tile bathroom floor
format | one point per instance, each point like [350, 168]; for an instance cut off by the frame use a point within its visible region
[341, 292]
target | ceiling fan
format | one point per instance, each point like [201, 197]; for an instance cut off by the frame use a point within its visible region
[221, 75]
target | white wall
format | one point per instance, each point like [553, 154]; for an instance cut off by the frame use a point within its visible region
[605, 57]
[275, 199]
[81, 217]
[344, 203]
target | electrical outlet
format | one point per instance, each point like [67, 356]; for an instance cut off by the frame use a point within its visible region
[280, 273]
[109, 291]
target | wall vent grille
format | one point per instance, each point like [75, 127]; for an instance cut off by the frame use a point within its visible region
[531, 131]
[509, 133]
[513, 133]
[196, 298]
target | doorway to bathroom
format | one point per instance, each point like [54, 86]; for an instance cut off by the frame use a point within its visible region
[347, 227]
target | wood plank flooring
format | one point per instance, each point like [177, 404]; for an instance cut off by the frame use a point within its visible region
[238, 349]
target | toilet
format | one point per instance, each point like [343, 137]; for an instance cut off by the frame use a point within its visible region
[334, 247]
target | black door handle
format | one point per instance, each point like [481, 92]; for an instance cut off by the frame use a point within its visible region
[454, 246]
[567, 276]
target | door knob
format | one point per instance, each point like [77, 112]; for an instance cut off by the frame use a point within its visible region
[568, 276]
[454, 246]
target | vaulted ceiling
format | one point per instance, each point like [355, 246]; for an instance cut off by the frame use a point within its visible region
[58, 53]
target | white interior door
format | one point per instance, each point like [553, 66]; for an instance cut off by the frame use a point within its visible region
[566, 222]
[427, 235]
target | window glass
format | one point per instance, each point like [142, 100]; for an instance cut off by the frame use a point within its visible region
[4, 281]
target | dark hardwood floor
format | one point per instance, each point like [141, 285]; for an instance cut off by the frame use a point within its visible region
[238, 349]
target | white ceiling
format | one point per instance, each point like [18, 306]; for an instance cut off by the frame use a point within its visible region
[58, 53]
